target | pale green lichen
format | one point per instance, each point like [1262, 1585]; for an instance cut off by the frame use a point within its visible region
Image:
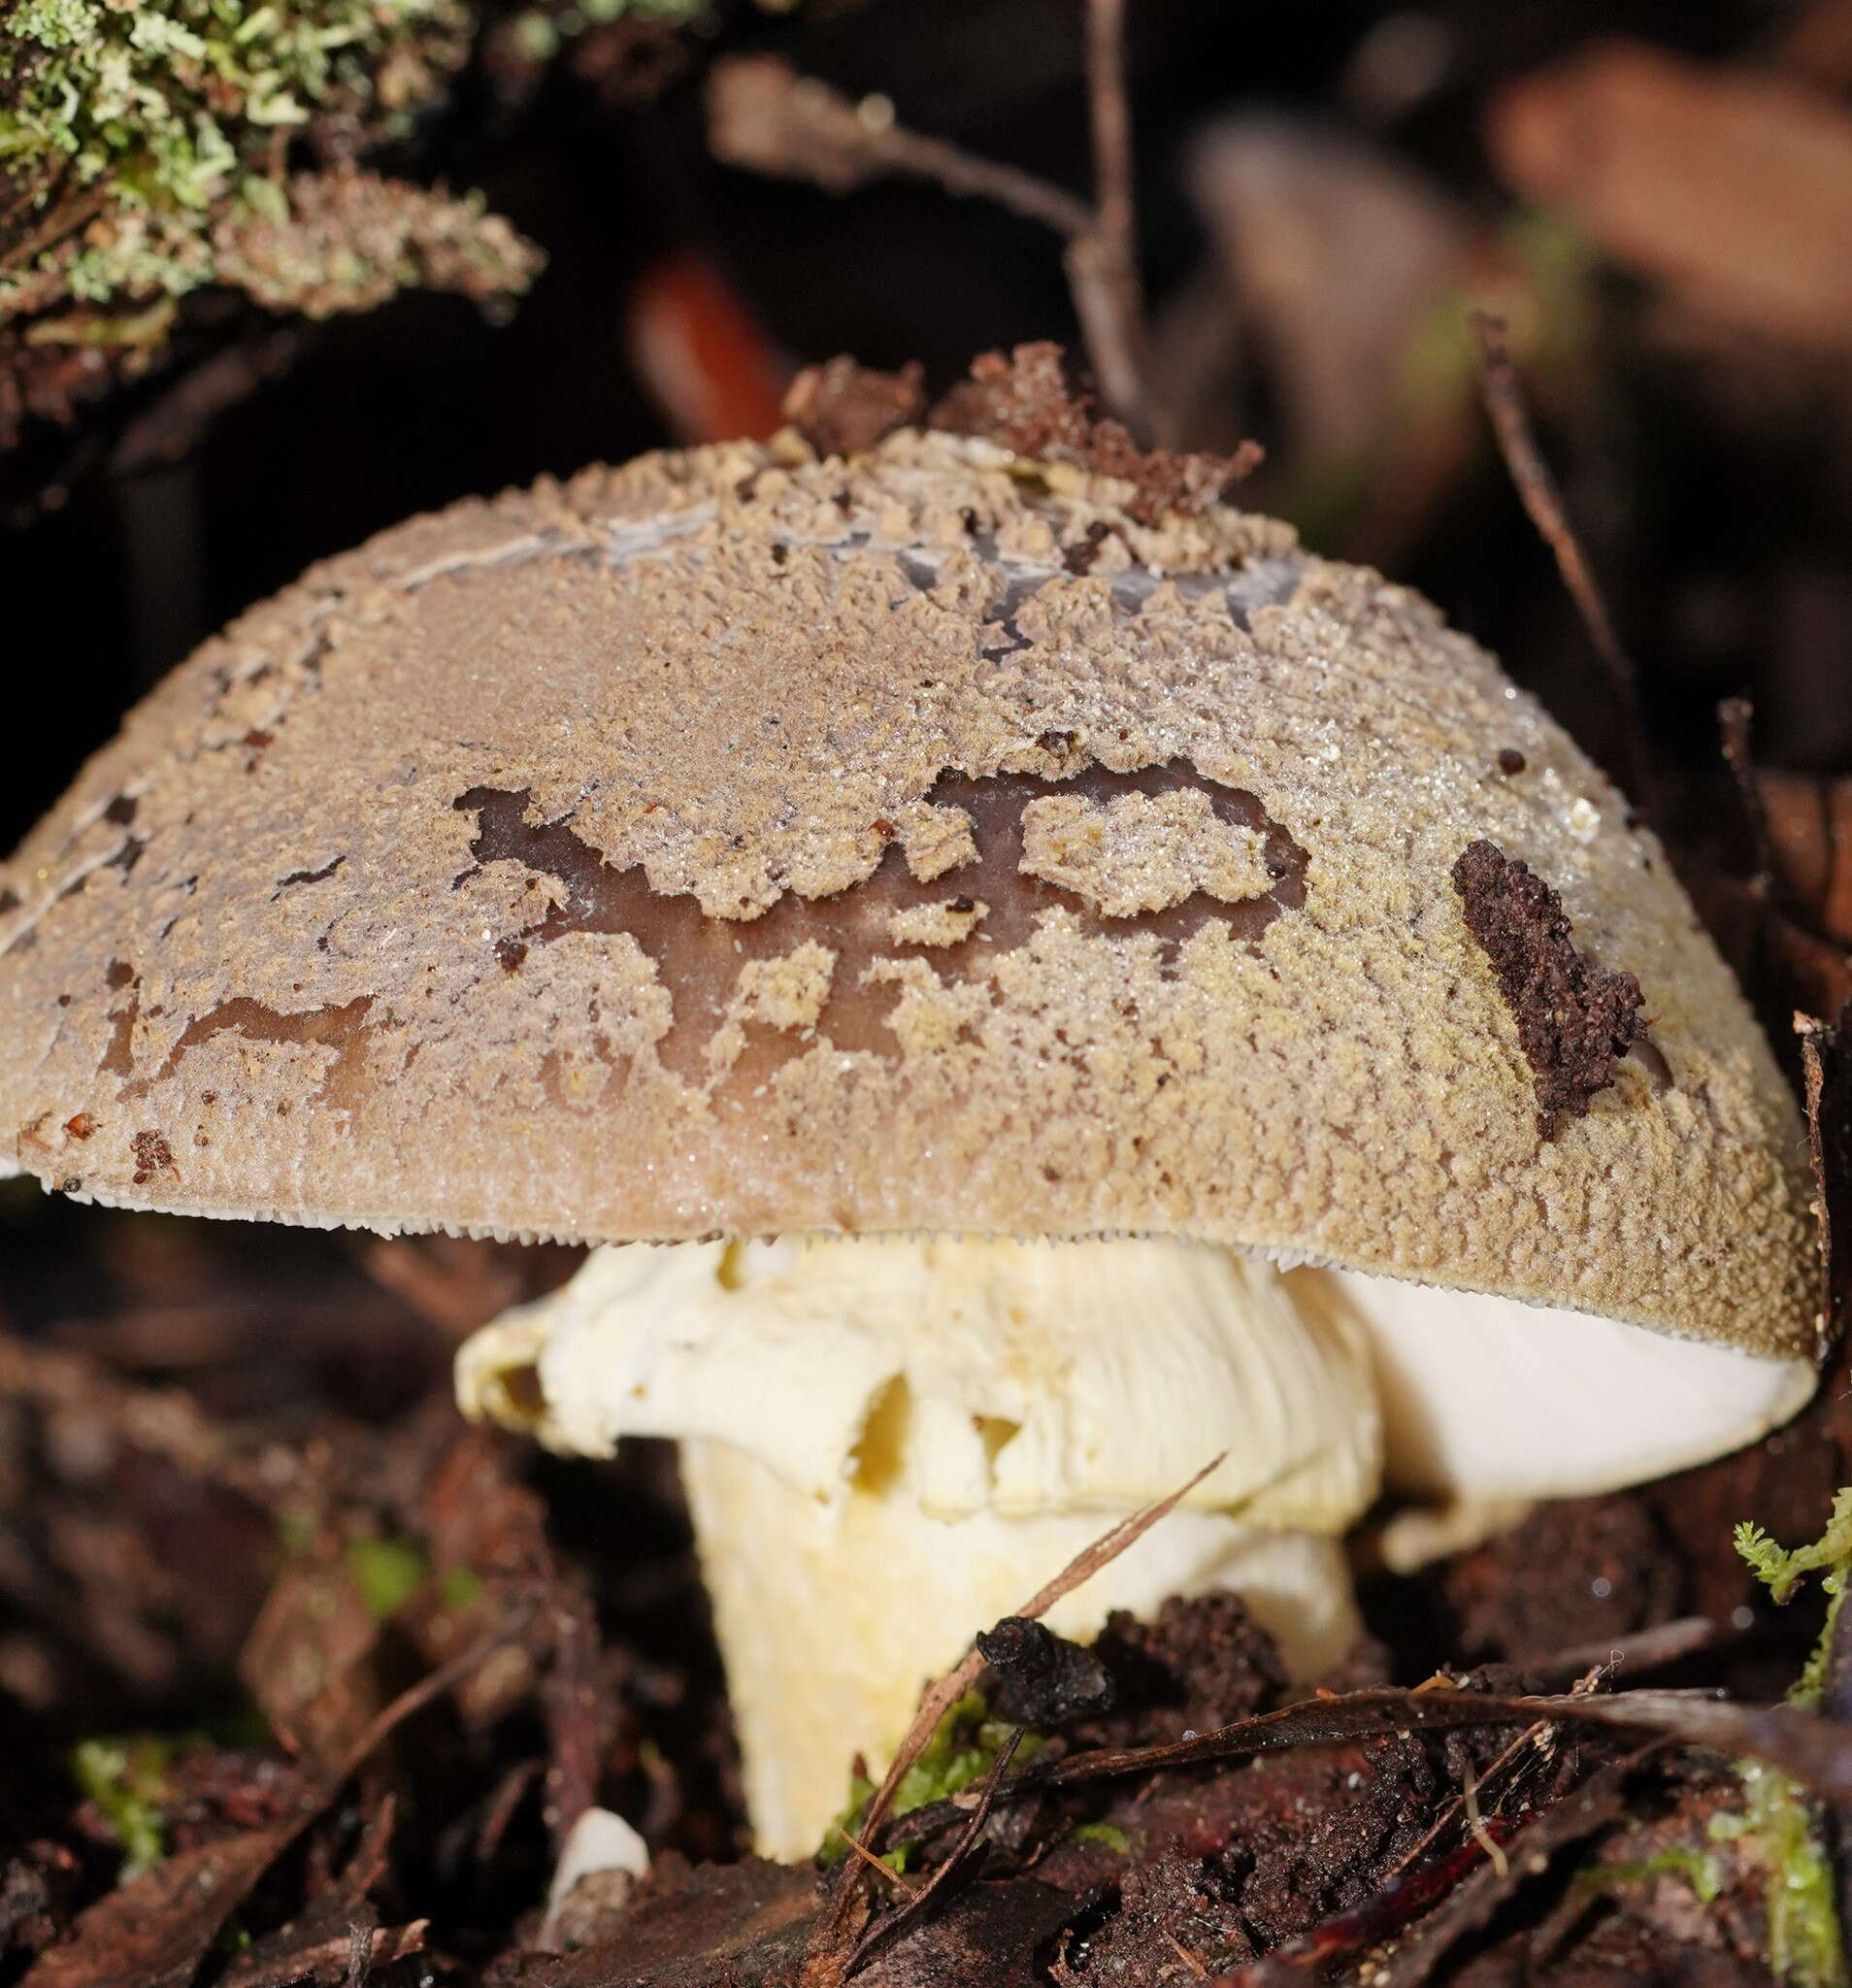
[1780, 1828]
[143, 149]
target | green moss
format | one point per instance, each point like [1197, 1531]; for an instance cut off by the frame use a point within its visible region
[387, 1573]
[125, 1779]
[1698, 1867]
[1780, 1828]
[1778, 1831]
[963, 1749]
[1110, 1833]
[1781, 1570]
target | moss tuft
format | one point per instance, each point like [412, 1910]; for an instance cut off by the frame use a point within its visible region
[1780, 1829]
[963, 1749]
[126, 1780]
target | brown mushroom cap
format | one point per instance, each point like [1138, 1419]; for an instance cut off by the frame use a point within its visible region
[740, 843]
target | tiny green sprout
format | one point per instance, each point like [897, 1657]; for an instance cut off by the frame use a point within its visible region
[1699, 1868]
[387, 1573]
[125, 1779]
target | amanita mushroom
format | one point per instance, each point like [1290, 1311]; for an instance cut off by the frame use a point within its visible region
[745, 848]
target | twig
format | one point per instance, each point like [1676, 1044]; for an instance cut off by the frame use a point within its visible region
[1541, 499]
[1529, 1737]
[886, 1931]
[764, 115]
[828, 1956]
[857, 1849]
[1646, 1649]
[1475, 1822]
[418, 1696]
[1102, 265]
[1734, 718]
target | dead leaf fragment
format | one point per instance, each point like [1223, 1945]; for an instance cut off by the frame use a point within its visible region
[1730, 186]
[155, 1931]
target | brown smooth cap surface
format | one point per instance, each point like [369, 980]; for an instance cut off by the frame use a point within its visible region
[738, 843]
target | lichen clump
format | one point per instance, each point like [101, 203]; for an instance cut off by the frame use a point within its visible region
[145, 153]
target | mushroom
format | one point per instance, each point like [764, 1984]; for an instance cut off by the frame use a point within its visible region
[1079, 996]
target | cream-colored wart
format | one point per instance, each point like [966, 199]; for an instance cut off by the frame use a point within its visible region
[889, 1445]
[742, 844]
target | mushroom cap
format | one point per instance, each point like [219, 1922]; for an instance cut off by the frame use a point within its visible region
[742, 842]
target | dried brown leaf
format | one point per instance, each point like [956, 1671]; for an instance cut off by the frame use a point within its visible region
[155, 1931]
[1731, 186]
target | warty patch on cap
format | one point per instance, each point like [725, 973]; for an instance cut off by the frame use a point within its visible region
[742, 842]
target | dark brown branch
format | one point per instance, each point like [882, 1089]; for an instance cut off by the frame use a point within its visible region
[763, 116]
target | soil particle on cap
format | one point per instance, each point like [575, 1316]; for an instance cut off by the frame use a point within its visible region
[842, 409]
[1029, 403]
[1511, 760]
[1575, 1018]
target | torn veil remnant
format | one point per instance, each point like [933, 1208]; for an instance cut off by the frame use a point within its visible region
[974, 839]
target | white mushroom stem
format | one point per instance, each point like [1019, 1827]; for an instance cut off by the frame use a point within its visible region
[888, 1446]
[832, 1616]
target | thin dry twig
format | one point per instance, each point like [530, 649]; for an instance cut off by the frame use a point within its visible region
[857, 1849]
[764, 115]
[829, 1956]
[1600, 1801]
[414, 1697]
[1103, 264]
[1646, 1649]
[886, 1931]
[1538, 490]
[1460, 1804]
